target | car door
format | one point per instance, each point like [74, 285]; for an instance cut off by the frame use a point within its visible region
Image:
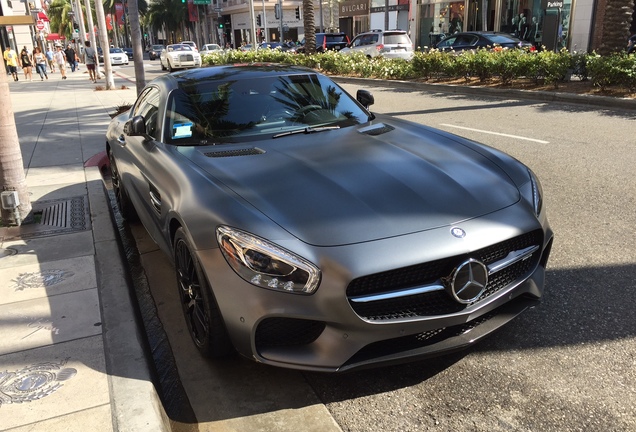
[140, 147]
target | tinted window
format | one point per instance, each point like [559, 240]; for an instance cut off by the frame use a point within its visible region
[396, 38]
[148, 107]
[239, 110]
[115, 50]
[336, 38]
[500, 39]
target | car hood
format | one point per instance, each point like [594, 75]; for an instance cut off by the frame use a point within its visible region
[360, 184]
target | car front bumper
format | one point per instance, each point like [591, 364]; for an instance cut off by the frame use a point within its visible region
[328, 332]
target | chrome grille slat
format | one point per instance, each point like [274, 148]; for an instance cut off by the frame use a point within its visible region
[416, 291]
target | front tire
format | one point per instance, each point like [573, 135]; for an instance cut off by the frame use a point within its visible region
[170, 68]
[200, 309]
[163, 68]
[124, 204]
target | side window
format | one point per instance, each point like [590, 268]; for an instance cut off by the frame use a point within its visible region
[149, 109]
[140, 102]
[356, 42]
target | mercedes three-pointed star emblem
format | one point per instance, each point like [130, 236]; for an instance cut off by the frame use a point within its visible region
[468, 281]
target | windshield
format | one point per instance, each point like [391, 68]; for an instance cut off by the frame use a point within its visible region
[241, 110]
[180, 48]
[116, 50]
[157, 47]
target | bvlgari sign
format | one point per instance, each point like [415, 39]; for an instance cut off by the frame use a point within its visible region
[351, 8]
[552, 4]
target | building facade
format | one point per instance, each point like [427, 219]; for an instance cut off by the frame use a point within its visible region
[555, 24]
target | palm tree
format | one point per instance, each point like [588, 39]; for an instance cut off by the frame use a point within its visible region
[617, 21]
[61, 21]
[167, 15]
[310, 26]
[11, 168]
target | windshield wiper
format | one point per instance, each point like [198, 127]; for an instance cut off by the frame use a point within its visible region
[306, 130]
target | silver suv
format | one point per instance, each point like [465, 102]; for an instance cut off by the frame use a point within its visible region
[385, 43]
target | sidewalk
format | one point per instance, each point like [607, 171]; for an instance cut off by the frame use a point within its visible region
[71, 354]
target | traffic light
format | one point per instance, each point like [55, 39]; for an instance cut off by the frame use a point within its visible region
[298, 13]
[277, 10]
[258, 20]
[220, 25]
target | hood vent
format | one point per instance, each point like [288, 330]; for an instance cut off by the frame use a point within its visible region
[378, 129]
[232, 153]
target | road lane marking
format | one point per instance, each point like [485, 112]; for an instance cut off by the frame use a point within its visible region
[497, 133]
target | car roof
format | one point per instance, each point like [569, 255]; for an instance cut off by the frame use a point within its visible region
[246, 71]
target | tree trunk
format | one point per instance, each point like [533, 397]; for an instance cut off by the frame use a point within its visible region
[310, 26]
[138, 51]
[616, 24]
[103, 40]
[11, 167]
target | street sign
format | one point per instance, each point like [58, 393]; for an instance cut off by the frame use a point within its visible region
[39, 25]
[202, 2]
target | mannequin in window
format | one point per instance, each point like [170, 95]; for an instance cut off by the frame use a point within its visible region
[515, 25]
[523, 27]
[533, 33]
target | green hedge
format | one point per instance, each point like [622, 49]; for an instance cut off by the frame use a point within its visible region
[503, 65]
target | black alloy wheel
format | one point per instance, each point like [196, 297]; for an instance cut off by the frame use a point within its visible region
[124, 204]
[200, 310]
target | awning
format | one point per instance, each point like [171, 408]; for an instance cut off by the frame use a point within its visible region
[54, 37]
[42, 16]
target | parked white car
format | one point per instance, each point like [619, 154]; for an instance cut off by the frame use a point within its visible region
[210, 48]
[179, 56]
[385, 43]
[118, 56]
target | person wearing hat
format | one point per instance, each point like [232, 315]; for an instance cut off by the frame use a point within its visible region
[12, 62]
[60, 59]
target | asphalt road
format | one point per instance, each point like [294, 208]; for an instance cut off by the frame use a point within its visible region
[567, 365]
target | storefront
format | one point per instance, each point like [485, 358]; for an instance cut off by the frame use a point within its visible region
[353, 17]
[542, 22]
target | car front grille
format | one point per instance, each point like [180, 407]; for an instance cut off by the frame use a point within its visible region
[186, 57]
[439, 302]
[286, 332]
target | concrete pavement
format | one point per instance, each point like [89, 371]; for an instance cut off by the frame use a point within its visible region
[72, 356]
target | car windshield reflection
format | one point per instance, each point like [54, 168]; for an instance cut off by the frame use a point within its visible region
[241, 110]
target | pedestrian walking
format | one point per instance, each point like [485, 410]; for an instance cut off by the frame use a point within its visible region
[12, 62]
[70, 57]
[60, 60]
[90, 60]
[49, 58]
[40, 63]
[27, 64]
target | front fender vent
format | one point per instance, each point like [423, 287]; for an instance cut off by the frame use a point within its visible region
[378, 129]
[233, 153]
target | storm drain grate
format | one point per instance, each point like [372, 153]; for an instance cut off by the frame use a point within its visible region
[54, 217]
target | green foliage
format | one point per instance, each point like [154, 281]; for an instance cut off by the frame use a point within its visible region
[506, 65]
[617, 68]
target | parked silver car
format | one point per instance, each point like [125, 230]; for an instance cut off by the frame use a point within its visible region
[310, 233]
[386, 43]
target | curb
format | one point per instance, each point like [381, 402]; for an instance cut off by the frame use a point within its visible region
[543, 96]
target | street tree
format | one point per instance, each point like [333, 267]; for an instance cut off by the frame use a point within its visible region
[12, 176]
[617, 21]
[310, 26]
[138, 51]
[167, 15]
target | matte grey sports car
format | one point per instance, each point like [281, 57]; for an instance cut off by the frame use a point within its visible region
[309, 233]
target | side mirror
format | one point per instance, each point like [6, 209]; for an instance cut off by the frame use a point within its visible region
[136, 126]
[365, 98]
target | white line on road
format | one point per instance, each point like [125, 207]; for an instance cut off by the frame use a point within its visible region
[497, 133]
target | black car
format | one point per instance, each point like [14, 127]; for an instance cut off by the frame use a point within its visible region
[328, 41]
[129, 53]
[155, 51]
[480, 39]
[631, 44]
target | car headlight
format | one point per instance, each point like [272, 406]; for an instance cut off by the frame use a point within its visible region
[265, 264]
[533, 192]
